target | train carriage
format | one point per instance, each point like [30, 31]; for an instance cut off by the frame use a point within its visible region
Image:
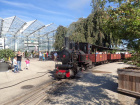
[125, 56]
[113, 57]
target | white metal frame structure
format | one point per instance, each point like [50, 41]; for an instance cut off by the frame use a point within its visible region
[21, 35]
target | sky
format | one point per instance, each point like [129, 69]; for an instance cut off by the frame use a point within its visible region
[59, 12]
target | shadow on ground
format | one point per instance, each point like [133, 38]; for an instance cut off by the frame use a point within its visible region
[51, 73]
[89, 90]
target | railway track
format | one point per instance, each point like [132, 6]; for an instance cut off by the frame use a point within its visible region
[36, 95]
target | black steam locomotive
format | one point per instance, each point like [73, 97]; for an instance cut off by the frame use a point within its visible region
[74, 59]
[81, 56]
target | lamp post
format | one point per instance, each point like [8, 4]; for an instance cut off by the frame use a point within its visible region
[48, 43]
[4, 42]
[27, 44]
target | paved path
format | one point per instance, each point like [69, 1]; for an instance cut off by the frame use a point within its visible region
[11, 83]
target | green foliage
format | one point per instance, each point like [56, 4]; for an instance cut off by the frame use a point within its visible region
[77, 32]
[6, 53]
[134, 60]
[125, 61]
[138, 64]
[112, 51]
[124, 22]
[108, 27]
[93, 29]
[27, 54]
[59, 37]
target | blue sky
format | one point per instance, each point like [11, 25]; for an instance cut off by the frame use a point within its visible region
[59, 12]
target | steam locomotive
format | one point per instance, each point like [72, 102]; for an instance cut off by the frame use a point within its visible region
[77, 57]
[74, 59]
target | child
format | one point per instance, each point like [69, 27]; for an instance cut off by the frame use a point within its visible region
[27, 63]
[43, 56]
[15, 65]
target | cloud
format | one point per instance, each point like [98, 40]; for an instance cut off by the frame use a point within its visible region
[59, 12]
[75, 4]
[26, 16]
[46, 19]
[31, 6]
[55, 19]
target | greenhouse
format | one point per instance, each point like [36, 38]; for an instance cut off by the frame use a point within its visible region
[16, 34]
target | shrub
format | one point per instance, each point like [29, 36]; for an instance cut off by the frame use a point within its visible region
[6, 53]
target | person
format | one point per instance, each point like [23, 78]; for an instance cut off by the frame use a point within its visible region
[55, 56]
[47, 55]
[31, 55]
[97, 52]
[100, 53]
[15, 65]
[40, 55]
[43, 56]
[23, 54]
[27, 63]
[19, 58]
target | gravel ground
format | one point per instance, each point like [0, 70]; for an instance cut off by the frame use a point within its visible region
[92, 89]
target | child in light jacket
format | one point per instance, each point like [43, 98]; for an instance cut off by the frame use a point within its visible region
[15, 65]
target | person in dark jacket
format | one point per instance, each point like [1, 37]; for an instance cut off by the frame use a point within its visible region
[19, 58]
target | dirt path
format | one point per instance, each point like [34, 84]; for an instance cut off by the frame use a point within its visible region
[93, 88]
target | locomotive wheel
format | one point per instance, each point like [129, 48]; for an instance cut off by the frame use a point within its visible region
[102, 63]
[107, 61]
[90, 66]
[86, 67]
[56, 77]
[72, 77]
[75, 72]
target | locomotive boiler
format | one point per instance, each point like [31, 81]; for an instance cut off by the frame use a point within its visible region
[69, 66]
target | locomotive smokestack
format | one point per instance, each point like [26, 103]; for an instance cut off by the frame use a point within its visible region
[66, 43]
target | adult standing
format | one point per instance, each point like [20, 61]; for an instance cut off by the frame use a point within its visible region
[47, 55]
[19, 58]
[55, 56]
[40, 55]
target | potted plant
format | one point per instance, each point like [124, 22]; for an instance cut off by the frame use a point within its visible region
[5, 55]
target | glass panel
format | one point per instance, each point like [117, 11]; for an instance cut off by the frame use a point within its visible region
[16, 26]
[32, 28]
[6, 24]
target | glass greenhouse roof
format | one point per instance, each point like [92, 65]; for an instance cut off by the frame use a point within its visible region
[17, 27]
[16, 30]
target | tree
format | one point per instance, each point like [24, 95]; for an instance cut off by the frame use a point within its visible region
[124, 23]
[59, 37]
[95, 29]
[77, 31]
